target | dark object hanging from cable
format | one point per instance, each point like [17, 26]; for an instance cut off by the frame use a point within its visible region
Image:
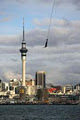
[46, 44]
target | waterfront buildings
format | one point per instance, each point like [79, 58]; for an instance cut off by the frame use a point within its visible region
[53, 94]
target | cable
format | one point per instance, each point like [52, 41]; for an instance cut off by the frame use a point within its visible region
[50, 24]
[50, 18]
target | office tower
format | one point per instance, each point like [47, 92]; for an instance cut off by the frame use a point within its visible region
[0, 85]
[23, 51]
[40, 78]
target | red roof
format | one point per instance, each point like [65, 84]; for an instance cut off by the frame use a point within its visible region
[52, 90]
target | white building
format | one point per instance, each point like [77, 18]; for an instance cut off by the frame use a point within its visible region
[13, 85]
[67, 89]
[30, 87]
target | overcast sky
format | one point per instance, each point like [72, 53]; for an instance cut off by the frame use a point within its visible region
[61, 59]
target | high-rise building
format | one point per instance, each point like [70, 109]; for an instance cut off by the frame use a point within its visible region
[40, 79]
[23, 51]
[0, 85]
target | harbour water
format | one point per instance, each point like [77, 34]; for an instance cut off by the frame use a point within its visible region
[39, 112]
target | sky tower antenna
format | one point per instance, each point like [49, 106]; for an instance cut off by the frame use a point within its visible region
[23, 29]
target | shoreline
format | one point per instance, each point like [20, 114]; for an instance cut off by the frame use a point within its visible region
[39, 104]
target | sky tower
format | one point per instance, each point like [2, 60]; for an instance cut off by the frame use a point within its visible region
[23, 51]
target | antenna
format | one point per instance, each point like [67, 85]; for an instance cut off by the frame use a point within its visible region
[49, 24]
[23, 29]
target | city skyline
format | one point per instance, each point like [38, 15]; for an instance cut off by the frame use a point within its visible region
[61, 59]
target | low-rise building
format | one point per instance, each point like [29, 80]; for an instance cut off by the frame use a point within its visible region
[14, 87]
[30, 87]
[67, 89]
[77, 87]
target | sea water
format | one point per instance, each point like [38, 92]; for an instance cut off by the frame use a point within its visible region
[39, 112]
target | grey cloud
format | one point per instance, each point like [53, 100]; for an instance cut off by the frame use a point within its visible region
[14, 59]
[30, 2]
[60, 60]
[9, 49]
[10, 40]
[76, 1]
[56, 64]
[22, 1]
[71, 72]
[56, 23]
[61, 2]
[73, 68]
[9, 75]
[62, 31]
[59, 35]
[17, 1]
